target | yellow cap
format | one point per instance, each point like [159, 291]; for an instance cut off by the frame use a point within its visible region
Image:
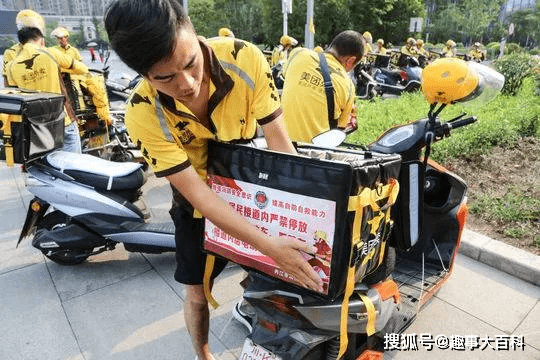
[225, 32]
[367, 36]
[60, 32]
[419, 42]
[318, 49]
[448, 80]
[380, 41]
[411, 41]
[31, 19]
[287, 40]
[450, 43]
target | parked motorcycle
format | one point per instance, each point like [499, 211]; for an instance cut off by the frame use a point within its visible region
[379, 77]
[429, 215]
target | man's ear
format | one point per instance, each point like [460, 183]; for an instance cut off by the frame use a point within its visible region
[350, 62]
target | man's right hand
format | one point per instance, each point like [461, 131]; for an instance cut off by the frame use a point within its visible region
[287, 253]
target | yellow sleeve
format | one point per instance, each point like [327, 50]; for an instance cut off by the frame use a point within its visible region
[346, 103]
[147, 127]
[266, 103]
[67, 62]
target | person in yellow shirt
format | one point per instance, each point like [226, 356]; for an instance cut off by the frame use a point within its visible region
[410, 47]
[304, 100]
[420, 48]
[37, 68]
[476, 54]
[449, 49]
[62, 35]
[380, 47]
[9, 54]
[369, 41]
[280, 52]
[192, 92]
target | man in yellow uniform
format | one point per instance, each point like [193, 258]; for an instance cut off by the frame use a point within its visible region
[37, 68]
[410, 47]
[369, 41]
[304, 100]
[280, 52]
[476, 54]
[193, 92]
[62, 35]
[381, 49]
[449, 49]
[420, 48]
[9, 54]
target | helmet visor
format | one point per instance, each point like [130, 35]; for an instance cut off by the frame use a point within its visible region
[490, 83]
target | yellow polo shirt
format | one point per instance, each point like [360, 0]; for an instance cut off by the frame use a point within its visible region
[242, 94]
[36, 68]
[303, 98]
[70, 51]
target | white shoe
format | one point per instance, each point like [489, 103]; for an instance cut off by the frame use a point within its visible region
[211, 356]
[242, 316]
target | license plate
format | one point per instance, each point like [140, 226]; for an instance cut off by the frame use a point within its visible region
[252, 351]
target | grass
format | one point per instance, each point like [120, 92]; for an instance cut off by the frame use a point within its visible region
[500, 122]
[514, 205]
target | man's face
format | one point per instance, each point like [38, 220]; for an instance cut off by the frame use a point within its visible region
[180, 75]
[62, 41]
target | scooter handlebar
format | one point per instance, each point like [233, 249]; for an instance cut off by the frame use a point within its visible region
[463, 122]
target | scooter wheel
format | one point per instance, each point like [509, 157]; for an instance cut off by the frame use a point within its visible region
[53, 221]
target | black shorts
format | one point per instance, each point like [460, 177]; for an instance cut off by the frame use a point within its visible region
[190, 257]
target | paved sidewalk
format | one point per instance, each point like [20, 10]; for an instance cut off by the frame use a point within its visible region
[121, 305]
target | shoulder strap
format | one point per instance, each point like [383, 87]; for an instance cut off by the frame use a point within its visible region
[329, 89]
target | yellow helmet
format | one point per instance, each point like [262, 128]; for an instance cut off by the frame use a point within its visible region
[419, 42]
[29, 18]
[450, 43]
[380, 42]
[367, 36]
[225, 32]
[449, 80]
[411, 41]
[318, 49]
[287, 40]
[60, 32]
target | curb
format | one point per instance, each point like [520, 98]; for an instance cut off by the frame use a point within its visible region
[501, 256]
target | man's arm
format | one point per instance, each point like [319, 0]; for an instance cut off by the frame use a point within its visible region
[277, 137]
[286, 252]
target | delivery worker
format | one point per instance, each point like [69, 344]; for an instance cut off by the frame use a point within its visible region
[369, 41]
[304, 100]
[193, 92]
[410, 47]
[225, 32]
[449, 49]
[9, 54]
[380, 47]
[280, 52]
[476, 54]
[62, 35]
[37, 68]
[420, 48]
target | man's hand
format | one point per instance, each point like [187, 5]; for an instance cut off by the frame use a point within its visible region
[287, 253]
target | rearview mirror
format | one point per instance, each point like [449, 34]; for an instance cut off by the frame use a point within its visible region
[330, 138]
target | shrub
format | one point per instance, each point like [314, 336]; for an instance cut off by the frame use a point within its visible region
[515, 68]
[512, 48]
[534, 52]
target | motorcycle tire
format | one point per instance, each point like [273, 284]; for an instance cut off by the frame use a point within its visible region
[384, 270]
[52, 221]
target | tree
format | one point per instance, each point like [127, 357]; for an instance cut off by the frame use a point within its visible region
[395, 24]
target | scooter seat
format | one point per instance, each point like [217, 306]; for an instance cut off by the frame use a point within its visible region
[96, 172]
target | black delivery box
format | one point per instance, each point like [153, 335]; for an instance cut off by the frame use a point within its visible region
[312, 196]
[33, 124]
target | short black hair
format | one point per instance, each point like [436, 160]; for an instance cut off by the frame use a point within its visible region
[348, 43]
[143, 32]
[29, 33]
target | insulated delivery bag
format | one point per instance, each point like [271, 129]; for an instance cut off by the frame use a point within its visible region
[337, 200]
[32, 124]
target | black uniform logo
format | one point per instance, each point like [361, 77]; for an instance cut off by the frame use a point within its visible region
[29, 63]
[137, 99]
[238, 45]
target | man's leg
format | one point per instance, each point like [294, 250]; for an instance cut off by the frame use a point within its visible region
[197, 318]
[72, 138]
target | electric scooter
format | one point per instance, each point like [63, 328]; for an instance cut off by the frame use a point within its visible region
[428, 218]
